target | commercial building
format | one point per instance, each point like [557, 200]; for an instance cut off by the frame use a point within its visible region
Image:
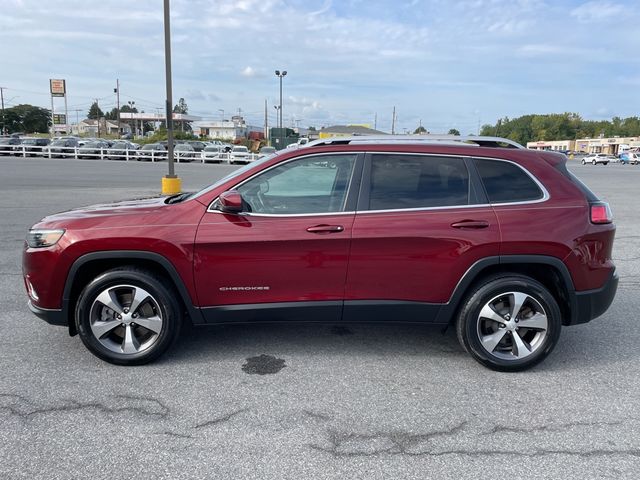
[232, 129]
[347, 131]
[610, 146]
[556, 145]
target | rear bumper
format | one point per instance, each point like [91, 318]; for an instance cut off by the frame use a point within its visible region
[593, 303]
[52, 317]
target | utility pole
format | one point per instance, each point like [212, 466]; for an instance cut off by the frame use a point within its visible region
[393, 121]
[375, 121]
[3, 130]
[98, 115]
[171, 184]
[78, 110]
[117, 92]
[266, 122]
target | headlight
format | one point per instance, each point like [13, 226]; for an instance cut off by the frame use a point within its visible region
[43, 238]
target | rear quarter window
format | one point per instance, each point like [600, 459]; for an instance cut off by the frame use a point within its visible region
[506, 182]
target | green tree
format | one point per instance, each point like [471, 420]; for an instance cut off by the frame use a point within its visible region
[454, 131]
[419, 130]
[27, 118]
[95, 112]
[127, 109]
[181, 107]
[112, 115]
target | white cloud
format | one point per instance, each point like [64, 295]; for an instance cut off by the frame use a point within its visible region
[248, 72]
[597, 10]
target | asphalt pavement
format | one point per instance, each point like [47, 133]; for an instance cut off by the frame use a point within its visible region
[306, 401]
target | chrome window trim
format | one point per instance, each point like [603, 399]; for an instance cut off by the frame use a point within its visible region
[212, 210]
[545, 194]
[284, 215]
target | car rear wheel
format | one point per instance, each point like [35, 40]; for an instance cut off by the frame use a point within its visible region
[509, 323]
[593, 162]
[584, 161]
[127, 316]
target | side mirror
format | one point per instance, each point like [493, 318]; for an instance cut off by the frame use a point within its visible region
[230, 202]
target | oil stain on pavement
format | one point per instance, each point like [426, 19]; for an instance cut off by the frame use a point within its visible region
[263, 365]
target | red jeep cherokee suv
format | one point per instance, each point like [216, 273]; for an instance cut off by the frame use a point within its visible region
[501, 241]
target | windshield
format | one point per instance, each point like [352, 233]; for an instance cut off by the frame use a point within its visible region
[231, 176]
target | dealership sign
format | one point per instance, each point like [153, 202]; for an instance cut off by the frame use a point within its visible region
[58, 88]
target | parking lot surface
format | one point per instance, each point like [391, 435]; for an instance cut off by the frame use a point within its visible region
[306, 401]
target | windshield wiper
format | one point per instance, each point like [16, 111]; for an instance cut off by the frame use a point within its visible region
[178, 198]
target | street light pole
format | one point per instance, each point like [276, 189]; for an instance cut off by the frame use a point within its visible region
[171, 184]
[280, 76]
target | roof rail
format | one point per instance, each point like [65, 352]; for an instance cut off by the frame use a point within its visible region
[471, 140]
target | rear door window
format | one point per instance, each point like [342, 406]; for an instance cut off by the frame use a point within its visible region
[506, 182]
[417, 181]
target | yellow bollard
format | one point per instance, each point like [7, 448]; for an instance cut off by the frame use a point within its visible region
[171, 185]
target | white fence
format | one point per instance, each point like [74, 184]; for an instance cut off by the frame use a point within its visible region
[121, 154]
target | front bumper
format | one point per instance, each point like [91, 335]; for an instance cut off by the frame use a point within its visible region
[52, 317]
[593, 303]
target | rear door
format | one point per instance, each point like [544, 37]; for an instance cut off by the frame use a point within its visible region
[421, 222]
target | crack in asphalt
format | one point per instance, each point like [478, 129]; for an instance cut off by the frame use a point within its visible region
[174, 434]
[222, 419]
[24, 408]
[316, 415]
[395, 443]
[547, 428]
[346, 445]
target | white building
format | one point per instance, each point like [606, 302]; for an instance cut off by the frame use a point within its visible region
[107, 127]
[227, 129]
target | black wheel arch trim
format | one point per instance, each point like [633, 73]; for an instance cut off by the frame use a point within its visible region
[194, 313]
[448, 310]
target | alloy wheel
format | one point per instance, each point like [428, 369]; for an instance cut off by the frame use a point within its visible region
[512, 326]
[126, 319]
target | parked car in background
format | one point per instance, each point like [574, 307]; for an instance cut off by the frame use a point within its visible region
[152, 151]
[93, 149]
[63, 147]
[7, 145]
[34, 146]
[184, 152]
[630, 157]
[264, 151]
[598, 158]
[197, 145]
[240, 154]
[213, 153]
[225, 146]
[121, 150]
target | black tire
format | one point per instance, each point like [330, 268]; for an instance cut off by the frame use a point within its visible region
[593, 162]
[469, 323]
[162, 303]
[584, 162]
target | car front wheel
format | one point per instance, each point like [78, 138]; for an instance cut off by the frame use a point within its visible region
[128, 316]
[509, 323]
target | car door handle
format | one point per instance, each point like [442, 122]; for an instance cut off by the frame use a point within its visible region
[475, 224]
[323, 229]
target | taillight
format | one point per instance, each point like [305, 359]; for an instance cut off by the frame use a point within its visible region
[601, 213]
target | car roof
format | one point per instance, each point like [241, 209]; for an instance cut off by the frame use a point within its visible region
[458, 140]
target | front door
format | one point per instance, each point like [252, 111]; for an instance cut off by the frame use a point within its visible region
[284, 257]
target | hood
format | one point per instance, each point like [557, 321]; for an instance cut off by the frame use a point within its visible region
[94, 214]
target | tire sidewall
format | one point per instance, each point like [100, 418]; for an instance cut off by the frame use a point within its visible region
[471, 311]
[165, 300]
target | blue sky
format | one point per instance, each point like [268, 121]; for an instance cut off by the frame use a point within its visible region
[446, 64]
